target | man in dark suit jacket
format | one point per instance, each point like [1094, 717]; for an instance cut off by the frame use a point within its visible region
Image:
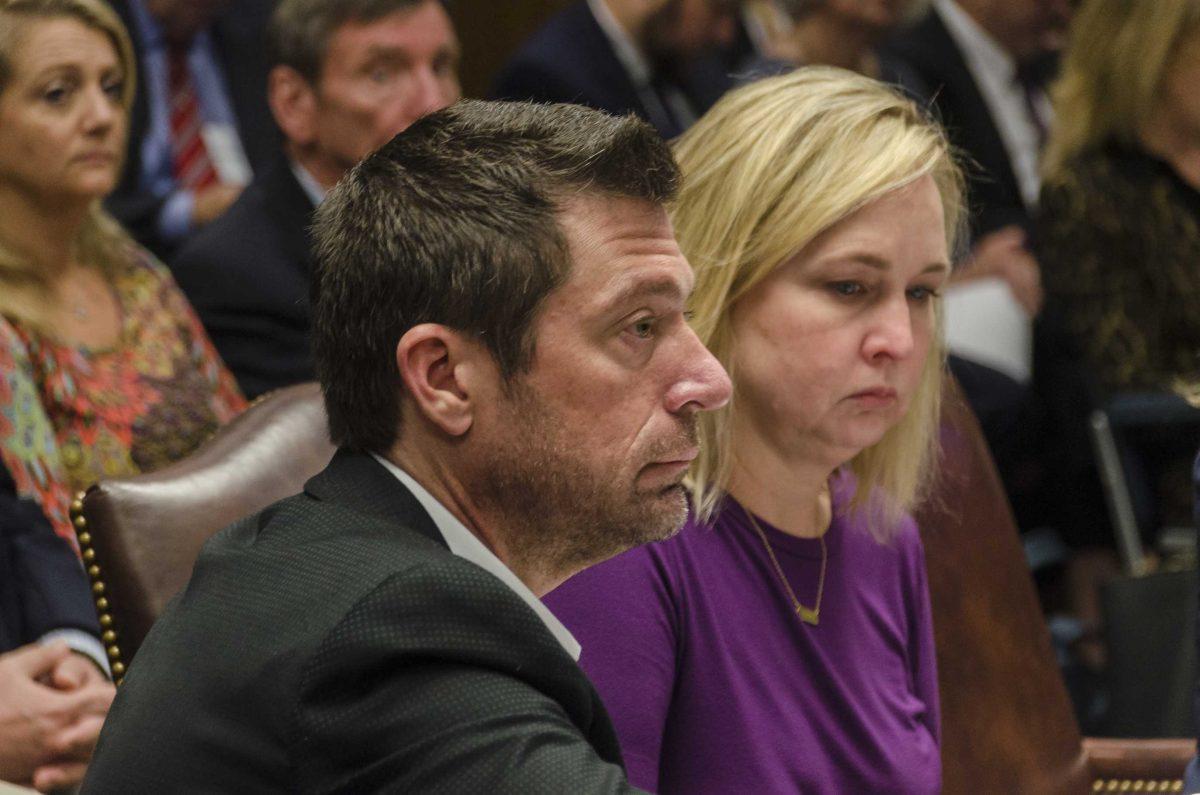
[54, 690]
[947, 51]
[247, 274]
[500, 336]
[233, 34]
[656, 59]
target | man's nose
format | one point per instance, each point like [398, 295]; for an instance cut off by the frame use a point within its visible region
[703, 384]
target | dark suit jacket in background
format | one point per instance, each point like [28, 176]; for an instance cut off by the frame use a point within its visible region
[42, 585]
[247, 275]
[939, 78]
[332, 643]
[571, 60]
[240, 49]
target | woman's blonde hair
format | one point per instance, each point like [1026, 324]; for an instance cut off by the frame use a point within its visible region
[768, 169]
[101, 241]
[1118, 53]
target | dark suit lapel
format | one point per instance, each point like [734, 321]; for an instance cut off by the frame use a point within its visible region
[932, 50]
[360, 483]
[290, 210]
[608, 75]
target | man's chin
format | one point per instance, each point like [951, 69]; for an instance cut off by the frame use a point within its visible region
[669, 512]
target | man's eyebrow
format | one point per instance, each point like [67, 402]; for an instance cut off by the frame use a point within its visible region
[627, 289]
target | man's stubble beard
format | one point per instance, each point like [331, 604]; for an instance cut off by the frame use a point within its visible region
[557, 511]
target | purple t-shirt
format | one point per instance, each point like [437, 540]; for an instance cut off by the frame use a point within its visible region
[716, 687]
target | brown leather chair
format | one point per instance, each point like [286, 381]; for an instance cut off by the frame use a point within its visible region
[140, 536]
[1007, 723]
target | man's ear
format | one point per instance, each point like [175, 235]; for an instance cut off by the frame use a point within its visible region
[293, 103]
[439, 367]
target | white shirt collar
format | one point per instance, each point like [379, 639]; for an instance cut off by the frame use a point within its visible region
[977, 45]
[466, 545]
[308, 182]
[636, 65]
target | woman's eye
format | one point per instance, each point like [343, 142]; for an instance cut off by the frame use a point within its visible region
[115, 89]
[55, 94]
[846, 289]
[920, 293]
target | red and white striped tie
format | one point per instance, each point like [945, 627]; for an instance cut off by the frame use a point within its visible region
[192, 167]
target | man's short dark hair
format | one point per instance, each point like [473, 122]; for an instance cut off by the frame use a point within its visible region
[300, 30]
[455, 221]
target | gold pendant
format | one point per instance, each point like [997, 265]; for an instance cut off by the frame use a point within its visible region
[808, 615]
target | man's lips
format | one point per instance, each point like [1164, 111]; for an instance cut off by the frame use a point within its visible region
[677, 464]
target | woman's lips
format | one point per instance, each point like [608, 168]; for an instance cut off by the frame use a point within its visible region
[875, 397]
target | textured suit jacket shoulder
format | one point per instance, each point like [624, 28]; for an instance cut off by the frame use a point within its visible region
[333, 643]
[247, 275]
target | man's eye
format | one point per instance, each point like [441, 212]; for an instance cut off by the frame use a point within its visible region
[921, 294]
[643, 329]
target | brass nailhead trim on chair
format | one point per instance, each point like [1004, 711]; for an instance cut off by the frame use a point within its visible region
[1137, 785]
[109, 636]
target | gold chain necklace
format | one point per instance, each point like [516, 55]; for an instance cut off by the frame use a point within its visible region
[809, 615]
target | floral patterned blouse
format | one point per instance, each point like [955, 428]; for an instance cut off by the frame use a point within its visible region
[70, 416]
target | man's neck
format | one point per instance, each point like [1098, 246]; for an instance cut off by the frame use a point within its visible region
[321, 168]
[630, 16]
[824, 39]
[493, 531]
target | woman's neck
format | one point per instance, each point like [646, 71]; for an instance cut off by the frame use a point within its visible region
[44, 234]
[824, 39]
[1162, 137]
[791, 494]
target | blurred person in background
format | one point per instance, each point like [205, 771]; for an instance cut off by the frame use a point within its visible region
[649, 57]
[1120, 212]
[54, 676]
[199, 125]
[346, 76]
[983, 67]
[105, 370]
[1119, 239]
[782, 641]
[842, 33]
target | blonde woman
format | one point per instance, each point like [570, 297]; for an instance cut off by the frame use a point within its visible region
[782, 641]
[1120, 210]
[104, 368]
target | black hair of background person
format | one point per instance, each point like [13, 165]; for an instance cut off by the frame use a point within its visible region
[42, 585]
[239, 47]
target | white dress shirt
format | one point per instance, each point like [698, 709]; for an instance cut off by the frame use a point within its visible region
[466, 545]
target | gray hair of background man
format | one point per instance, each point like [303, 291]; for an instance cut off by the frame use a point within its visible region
[300, 30]
[455, 221]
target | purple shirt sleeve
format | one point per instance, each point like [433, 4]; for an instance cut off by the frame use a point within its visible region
[629, 649]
